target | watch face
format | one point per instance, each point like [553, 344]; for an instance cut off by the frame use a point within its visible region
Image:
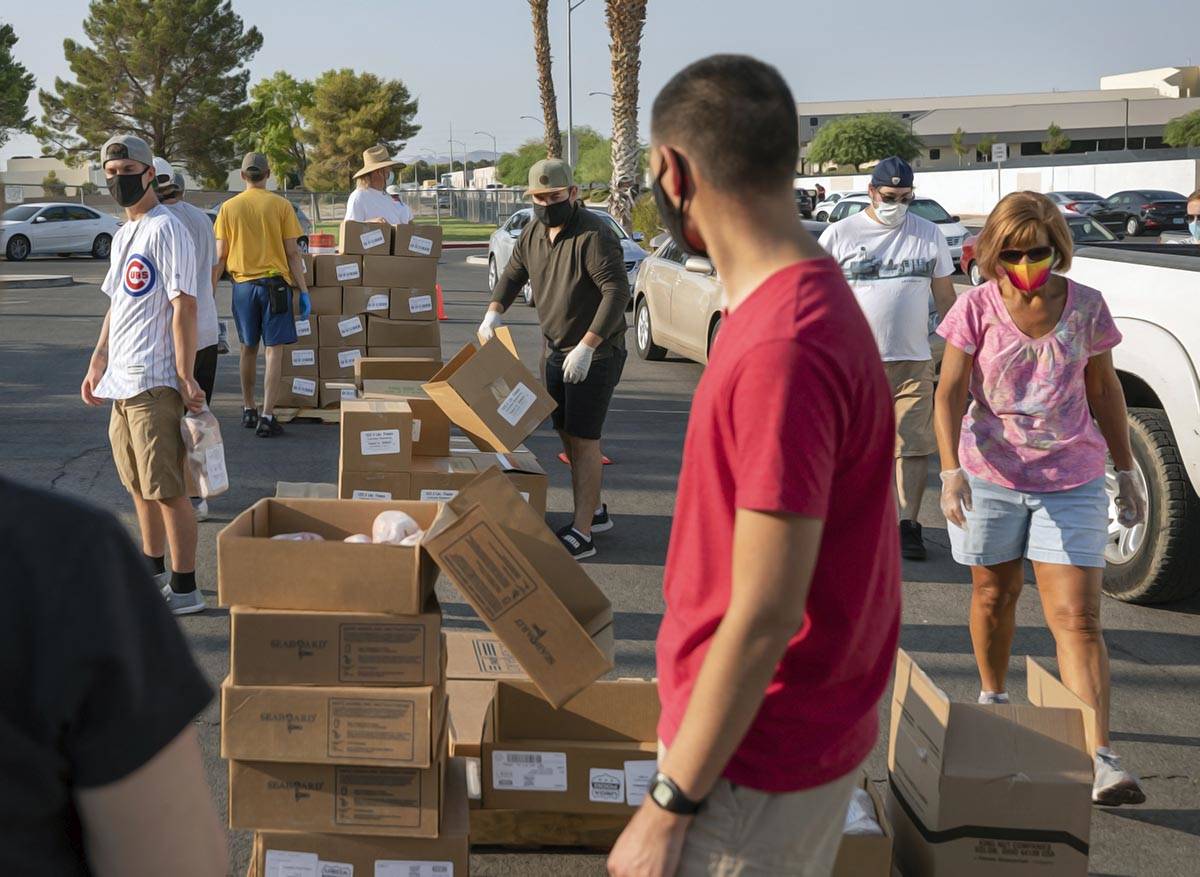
[661, 794]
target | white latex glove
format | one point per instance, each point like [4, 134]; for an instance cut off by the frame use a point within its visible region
[487, 329]
[956, 496]
[1130, 502]
[577, 364]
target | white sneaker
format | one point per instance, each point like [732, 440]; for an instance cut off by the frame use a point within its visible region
[1112, 785]
[993, 697]
[163, 580]
[222, 337]
[185, 604]
[200, 507]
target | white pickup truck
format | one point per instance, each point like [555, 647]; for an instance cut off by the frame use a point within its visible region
[1154, 295]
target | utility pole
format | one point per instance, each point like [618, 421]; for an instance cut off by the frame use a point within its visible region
[571, 157]
[1126, 124]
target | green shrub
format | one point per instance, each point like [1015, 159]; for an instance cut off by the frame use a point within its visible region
[646, 218]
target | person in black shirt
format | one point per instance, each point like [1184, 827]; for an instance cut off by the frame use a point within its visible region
[100, 766]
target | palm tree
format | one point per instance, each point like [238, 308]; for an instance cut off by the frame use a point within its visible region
[959, 144]
[626, 18]
[541, 50]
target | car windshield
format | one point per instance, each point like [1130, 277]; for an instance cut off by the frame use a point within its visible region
[1081, 196]
[613, 224]
[930, 210]
[1161, 195]
[20, 214]
[1085, 230]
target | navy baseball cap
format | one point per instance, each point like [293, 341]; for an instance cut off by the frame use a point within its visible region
[892, 171]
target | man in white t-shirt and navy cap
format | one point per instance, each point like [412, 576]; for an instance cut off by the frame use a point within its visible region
[894, 260]
[369, 202]
[144, 363]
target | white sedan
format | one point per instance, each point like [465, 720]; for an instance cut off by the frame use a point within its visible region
[821, 211]
[926, 208]
[55, 229]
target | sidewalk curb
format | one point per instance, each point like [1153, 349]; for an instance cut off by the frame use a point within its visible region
[463, 245]
[36, 281]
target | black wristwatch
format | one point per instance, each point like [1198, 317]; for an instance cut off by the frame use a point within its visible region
[667, 795]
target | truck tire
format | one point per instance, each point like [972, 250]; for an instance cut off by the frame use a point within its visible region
[1165, 566]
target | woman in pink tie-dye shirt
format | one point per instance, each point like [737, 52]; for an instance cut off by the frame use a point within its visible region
[1023, 469]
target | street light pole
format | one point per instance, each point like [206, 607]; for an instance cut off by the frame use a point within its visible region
[1126, 124]
[571, 7]
[495, 152]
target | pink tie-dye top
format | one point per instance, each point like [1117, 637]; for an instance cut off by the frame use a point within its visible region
[1028, 426]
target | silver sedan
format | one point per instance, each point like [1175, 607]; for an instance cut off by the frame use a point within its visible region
[55, 229]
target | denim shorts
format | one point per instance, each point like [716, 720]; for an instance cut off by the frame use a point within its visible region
[254, 320]
[1064, 526]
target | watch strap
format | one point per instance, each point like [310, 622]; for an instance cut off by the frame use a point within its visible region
[667, 795]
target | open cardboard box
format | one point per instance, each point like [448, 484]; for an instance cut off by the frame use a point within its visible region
[479, 654]
[867, 855]
[521, 581]
[333, 575]
[986, 790]
[439, 479]
[490, 394]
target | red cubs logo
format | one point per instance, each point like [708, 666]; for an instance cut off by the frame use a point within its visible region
[139, 275]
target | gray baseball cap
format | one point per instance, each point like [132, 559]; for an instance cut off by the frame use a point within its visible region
[121, 146]
[256, 161]
[549, 175]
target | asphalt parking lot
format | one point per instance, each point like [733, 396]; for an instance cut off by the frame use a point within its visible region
[48, 438]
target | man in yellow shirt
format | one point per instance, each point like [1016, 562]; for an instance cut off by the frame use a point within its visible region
[256, 234]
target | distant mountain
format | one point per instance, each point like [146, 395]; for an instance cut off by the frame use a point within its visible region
[473, 155]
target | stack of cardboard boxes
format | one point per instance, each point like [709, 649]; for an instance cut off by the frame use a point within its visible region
[334, 714]
[376, 296]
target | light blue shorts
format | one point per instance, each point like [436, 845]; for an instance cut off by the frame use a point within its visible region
[1066, 526]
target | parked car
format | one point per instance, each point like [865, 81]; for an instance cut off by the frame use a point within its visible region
[1176, 237]
[56, 229]
[821, 211]
[804, 202]
[1141, 210]
[1084, 230]
[926, 208]
[504, 239]
[1079, 202]
[1151, 292]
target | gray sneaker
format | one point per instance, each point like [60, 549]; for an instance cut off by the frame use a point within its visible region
[1114, 786]
[185, 604]
[200, 507]
[222, 337]
[993, 697]
[163, 580]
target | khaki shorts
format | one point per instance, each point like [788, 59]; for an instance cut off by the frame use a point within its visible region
[741, 832]
[147, 444]
[912, 394]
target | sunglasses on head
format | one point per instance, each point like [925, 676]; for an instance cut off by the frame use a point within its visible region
[1035, 254]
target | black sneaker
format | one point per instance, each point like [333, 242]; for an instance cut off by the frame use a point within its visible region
[249, 417]
[912, 546]
[268, 427]
[576, 543]
[601, 522]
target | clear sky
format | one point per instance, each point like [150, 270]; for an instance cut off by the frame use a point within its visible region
[471, 61]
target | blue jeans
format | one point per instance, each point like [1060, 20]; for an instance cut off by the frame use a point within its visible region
[254, 320]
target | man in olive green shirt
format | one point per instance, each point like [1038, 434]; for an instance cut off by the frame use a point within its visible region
[575, 265]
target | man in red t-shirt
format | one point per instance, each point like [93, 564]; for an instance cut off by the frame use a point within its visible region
[783, 574]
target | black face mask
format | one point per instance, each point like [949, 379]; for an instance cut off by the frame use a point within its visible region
[127, 189]
[553, 215]
[673, 214]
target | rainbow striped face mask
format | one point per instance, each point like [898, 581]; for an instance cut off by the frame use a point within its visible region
[1032, 273]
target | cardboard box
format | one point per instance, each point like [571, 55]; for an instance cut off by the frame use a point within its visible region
[522, 469]
[399, 271]
[413, 304]
[374, 485]
[297, 392]
[336, 855]
[364, 238]
[389, 727]
[307, 334]
[334, 393]
[337, 798]
[533, 830]
[299, 361]
[324, 301]
[976, 789]
[343, 331]
[417, 240]
[402, 333]
[376, 436]
[1045, 689]
[490, 395]
[867, 855]
[337, 363]
[341, 271]
[439, 479]
[290, 647]
[470, 705]
[595, 754]
[305, 490]
[310, 275]
[366, 300]
[517, 576]
[330, 576]
[394, 377]
[405, 353]
[479, 655]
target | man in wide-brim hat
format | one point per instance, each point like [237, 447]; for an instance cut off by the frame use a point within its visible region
[369, 202]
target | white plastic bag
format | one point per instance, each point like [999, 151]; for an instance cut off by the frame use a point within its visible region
[205, 457]
[357, 538]
[860, 816]
[299, 537]
[393, 527]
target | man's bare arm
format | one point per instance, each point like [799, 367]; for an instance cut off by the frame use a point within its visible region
[219, 266]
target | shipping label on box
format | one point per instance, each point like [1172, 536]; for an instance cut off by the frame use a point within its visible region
[334, 392]
[399, 272]
[306, 334]
[297, 392]
[299, 362]
[337, 363]
[413, 304]
[359, 238]
[417, 240]
[339, 270]
[402, 333]
[374, 485]
[342, 331]
[366, 300]
[376, 436]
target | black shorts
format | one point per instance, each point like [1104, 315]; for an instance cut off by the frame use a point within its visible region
[206, 371]
[582, 407]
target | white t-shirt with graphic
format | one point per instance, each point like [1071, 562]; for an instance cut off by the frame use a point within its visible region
[153, 262]
[367, 204]
[891, 272]
[200, 228]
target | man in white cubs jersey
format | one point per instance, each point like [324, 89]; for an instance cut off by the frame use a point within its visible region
[144, 362]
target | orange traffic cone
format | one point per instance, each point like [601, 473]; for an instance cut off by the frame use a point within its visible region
[441, 304]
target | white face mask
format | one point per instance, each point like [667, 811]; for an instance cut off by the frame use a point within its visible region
[890, 214]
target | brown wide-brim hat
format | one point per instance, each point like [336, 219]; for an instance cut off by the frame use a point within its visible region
[375, 159]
